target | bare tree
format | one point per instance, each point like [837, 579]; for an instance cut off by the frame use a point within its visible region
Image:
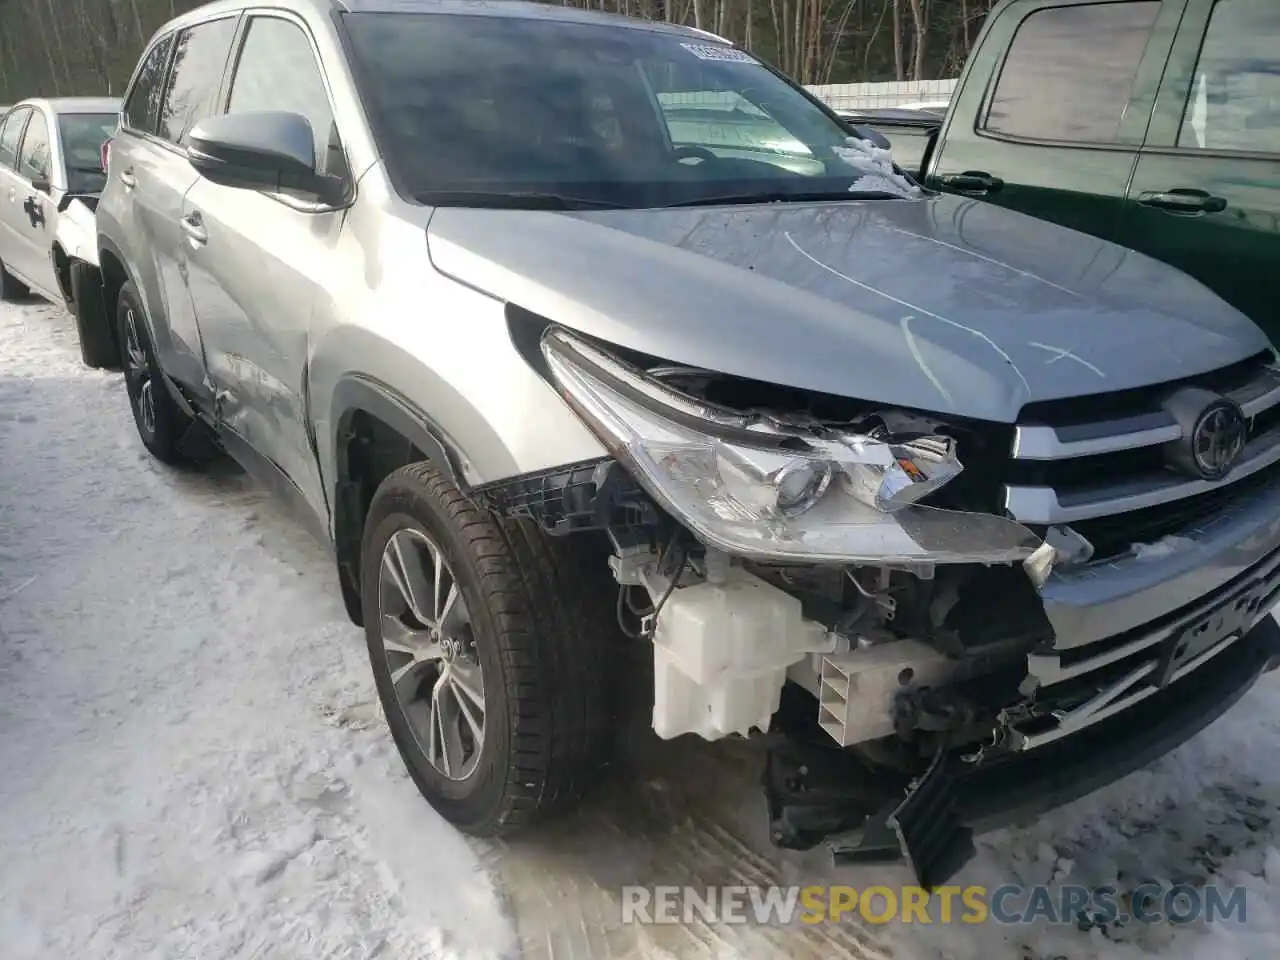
[91, 46]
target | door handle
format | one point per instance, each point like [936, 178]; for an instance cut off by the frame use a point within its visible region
[128, 180]
[193, 227]
[1182, 200]
[972, 181]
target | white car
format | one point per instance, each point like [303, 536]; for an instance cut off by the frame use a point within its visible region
[51, 175]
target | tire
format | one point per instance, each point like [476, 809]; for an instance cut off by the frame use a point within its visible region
[160, 421]
[97, 338]
[10, 288]
[536, 631]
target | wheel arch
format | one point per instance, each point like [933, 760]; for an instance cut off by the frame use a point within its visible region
[115, 273]
[374, 431]
[62, 269]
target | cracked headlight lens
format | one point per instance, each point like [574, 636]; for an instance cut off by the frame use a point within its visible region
[757, 490]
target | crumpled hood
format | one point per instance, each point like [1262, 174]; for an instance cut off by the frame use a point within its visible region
[941, 304]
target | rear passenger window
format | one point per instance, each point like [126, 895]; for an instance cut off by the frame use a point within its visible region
[199, 59]
[143, 106]
[1235, 99]
[1069, 72]
[278, 70]
[10, 134]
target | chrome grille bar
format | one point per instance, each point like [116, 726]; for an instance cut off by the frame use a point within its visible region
[1045, 505]
[1033, 442]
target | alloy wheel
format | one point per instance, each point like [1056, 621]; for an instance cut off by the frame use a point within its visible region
[429, 644]
[138, 374]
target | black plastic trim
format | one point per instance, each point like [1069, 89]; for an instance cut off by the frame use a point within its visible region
[266, 472]
[359, 393]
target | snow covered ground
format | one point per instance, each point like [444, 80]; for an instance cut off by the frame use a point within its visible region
[192, 765]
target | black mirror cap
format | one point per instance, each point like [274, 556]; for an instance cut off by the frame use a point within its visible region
[272, 151]
[42, 185]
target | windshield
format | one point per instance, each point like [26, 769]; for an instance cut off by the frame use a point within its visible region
[83, 135]
[477, 109]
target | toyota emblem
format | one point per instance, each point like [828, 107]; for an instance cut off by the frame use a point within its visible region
[1217, 439]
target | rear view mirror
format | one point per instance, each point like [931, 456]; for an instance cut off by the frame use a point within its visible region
[42, 185]
[260, 151]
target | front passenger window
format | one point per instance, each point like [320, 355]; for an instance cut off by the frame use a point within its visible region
[278, 71]
[1235, 100]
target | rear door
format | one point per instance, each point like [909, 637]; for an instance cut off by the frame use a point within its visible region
[11, 213]
[155, 171]
[1206, 193]
[1053, 106]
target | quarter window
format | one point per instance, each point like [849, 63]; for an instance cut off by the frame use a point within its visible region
[1235, 98]
[277, 71]
[143, 105]
[1069, 72]
[199, 58]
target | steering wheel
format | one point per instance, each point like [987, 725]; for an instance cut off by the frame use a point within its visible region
[693, 153]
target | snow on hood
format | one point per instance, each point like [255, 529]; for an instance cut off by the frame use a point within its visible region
[940, 303]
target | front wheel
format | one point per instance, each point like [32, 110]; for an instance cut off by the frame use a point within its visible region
[496, 682]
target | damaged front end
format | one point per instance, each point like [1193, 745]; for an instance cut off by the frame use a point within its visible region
[833, 575]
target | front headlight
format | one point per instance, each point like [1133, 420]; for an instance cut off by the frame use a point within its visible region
[759, 490]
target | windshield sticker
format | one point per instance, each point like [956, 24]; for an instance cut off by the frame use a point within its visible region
[716, 51]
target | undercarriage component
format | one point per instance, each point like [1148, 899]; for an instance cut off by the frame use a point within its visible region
[925, 830]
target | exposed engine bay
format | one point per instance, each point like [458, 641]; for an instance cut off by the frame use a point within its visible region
[835, 576]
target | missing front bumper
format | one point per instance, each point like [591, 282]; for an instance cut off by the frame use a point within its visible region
[818, 793]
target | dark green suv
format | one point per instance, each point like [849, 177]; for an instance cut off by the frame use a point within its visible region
[1153, 123]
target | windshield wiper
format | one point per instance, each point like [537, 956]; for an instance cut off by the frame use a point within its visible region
[516, 200]
[778, 196]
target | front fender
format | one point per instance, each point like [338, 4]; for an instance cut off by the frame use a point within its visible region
[451, 381]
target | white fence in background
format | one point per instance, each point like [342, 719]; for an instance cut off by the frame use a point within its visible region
[861, 96]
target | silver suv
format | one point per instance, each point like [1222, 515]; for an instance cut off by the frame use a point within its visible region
[580, 337]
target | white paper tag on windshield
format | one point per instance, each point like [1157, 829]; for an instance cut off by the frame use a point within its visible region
[715, 51]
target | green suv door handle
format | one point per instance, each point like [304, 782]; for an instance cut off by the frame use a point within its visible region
[972, 181]
[1181, 200]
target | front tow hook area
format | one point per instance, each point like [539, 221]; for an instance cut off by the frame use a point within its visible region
[818, 793]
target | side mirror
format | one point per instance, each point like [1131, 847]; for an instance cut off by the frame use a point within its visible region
[42, 185]
[260, 151]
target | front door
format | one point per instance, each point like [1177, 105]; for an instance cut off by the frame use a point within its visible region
[1205, 195]
[258, 263]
